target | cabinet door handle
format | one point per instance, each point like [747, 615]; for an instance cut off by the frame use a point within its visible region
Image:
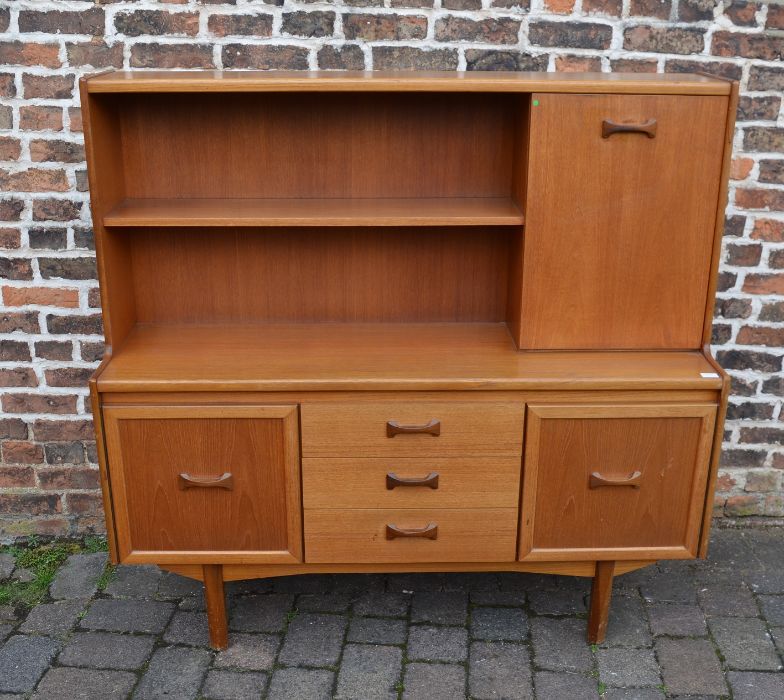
[609, 127]
[430, 480]
[430, 532]
[432, 427]
[189, 481]
[597, 480]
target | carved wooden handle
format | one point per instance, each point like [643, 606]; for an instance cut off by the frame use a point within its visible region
[597, 480]
[189, 481]
[610, 127]
[430, 532]
[430, 480]
[432, 427]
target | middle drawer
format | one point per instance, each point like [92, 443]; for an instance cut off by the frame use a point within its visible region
[453, 482]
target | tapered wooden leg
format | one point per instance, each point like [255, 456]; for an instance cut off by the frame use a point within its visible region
[601, 592]
[216, 606]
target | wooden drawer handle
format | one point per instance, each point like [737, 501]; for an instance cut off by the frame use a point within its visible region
[430, 480]
[610, 127]
[189, 481]
[432, 427]
[597, 480]
[430, 532]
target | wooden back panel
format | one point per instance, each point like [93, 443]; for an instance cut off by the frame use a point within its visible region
[295, 145]
[311, 274]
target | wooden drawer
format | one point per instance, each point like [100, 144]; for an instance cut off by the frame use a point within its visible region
[446, 482]
[615, 482]
[411, 428]
[215, 484]
[360, 536]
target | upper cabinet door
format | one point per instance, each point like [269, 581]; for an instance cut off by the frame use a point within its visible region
[620, 218]
[213, 484]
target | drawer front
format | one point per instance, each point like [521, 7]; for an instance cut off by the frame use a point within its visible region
[413, 429]
[601, 196]
[209, 484]
[615, 482]
[450, 535]
[407, 482]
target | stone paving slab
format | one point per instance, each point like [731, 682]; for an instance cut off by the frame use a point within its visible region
[678, 630]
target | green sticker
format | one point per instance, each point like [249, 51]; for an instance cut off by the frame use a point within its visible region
[536, 103]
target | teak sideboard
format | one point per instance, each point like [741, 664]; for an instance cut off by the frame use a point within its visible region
[372, 322]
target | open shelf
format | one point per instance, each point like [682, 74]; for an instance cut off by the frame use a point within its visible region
[408, 211]
[378, 356]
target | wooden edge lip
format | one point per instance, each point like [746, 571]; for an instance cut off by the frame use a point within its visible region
[117, 81]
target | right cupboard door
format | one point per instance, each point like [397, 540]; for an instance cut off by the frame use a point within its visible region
[620, 217]
[614, 482]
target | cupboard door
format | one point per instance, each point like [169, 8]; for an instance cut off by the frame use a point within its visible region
[215, 484]
[614, 482]
[620, 226]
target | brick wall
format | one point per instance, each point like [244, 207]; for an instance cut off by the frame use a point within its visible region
[50, 329]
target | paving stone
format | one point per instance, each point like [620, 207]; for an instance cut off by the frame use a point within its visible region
[636, 694]
[128, 615]
[304, 583]
[677, 620]
[301, 683]
[23, 661]
[499, 624]
[377, 630]
[668, 589]
[627, 625]
[250, 586]
[469, 581]
[78, 577]
[107, 650]
[434, 682]
[196, 603]
[254, 652]
[768, 545]
[557, 601]
[731, 548]
[84, 684]
[745, 644]
[5, 631]
[353, 585]
[773, 608]
[23, 575]
[189, 628]
[769, 579]
[557, 686]
[176, 586]
[756, 686]
[448, 608]
[8, 613]
[513, 581]
[778, 638]
[382, 604]
[726, 601]
[55, 619]
[625, 668]
[330, 603]
[7, 564]
[175, 673]
[413, 583]
[499, 670]
[505, 598]
[437, 643]
[263, 613]
[559, 644]
[313, 640]
[690, 667]
[231, 685]
[134, 582]
[369, 672]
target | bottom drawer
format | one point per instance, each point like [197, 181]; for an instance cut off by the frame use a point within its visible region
[389, 535]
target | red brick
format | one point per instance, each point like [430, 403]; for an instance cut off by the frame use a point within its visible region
[764, 284]
[695, 10]
[744, 505]
[650, 8]
[742, 14]
[40, 118]
[10, 148]
[577, 35]
[240, 25]
[85, 503]
[94, 298]
[578, 64]
[768, 230]
[18, 376]
[68, 376]
[761, 335]
[56, 150]
[629, 65]
[39, 403]
[348, 57]
[68, 22]
[95, 53]
[25, 321]
[561, 7]
[34, 180]
[16, 477]
[15, 269]
[22, 452]
[265, 57]
[156, 23]
[13, 429]
[14, 351]
[772, 171]
[776, 259]
[57, 478]
[176, 55]
[75, 118]
[54, 350]
[41, 296]
[20, 53]
[725, 482]
[744, 255]
[52, 87]
[311, 24]
[749, 198]
[775, 17]
[30, 504]
[384, 27]
[63, 430]
[7, 85]
[740, 168]
[658, 39]
[10, 238]
[764, 47]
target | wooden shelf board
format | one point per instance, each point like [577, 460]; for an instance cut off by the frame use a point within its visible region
[375, 356]
[403, 81]
[440, 211]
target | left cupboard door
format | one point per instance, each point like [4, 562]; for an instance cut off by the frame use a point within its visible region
[205, 484]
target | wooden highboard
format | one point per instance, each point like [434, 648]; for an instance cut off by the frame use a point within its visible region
[373, 322]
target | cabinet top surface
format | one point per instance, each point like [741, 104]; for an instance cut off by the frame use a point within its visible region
[402, 81]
